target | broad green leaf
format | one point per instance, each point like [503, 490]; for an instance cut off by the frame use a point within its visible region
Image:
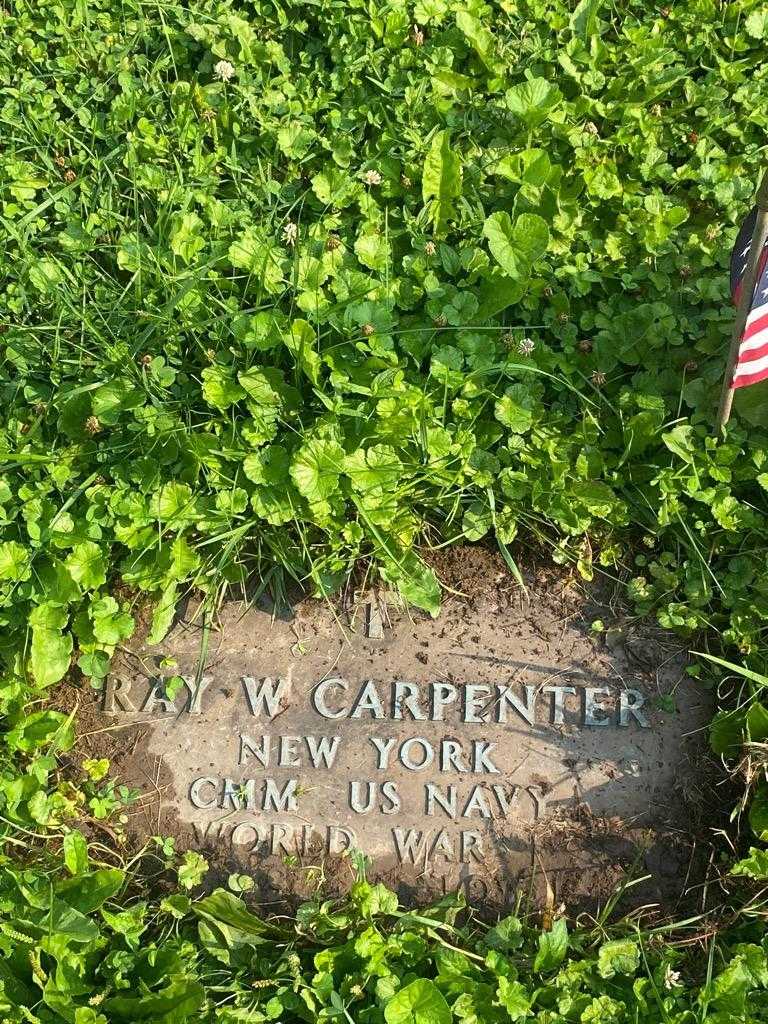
[335, 187]
[478, 36]
[301, 342]
[498, 230]
[373, 899]
[14, 561]
[453, 81]
[176, 905]
[130, 924]
[312, 273]
[268, 466]
[41, 729]
[373, 249]
[276, 504]
[515, 408]
[183, 559]
[413, 579]
[25, 179]
[531, 236]
[50, 655]
[110, 625]
[69, 924]
[758, 812]
[259, 257]
[95, 664]
[133, 253]
[583, 21]
[516, 247]
[296, 139]
[46, 275]
[507, 935]
[258, 387]
[187, 236]
[223, 907]
[753, 866]
[441, 180]
[621, 956]
[553, 945]
[757, 722]
[595, 495]
[640, 431]
[162, 615]
[172, 503]
[377, 466]
[726, 732]
[115, 397]
[260, 332]
[728, 990]
[430, 10]
[88, 892]
[86, 565]
[446, 365]
[497, 293]
[533, 101]
[261, 427]
[461, 310]
[175, 1003]
[603, 181]
[316, 467]
[253, 468]
[757, 24]
[220, 388]
[420, 1002]
[192, 869]
[679, 440]
[515, 998]
[48, 615]
[530, 166]
[75, 848]
[477, 520]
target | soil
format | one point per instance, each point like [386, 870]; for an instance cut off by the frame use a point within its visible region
[581, 853]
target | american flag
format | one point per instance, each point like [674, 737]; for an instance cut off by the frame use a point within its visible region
[752, 363]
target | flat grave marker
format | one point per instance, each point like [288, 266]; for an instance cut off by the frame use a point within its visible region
[450, 752]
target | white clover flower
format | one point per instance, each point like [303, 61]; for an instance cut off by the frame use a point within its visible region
[224, 70]
[671, 978]
[598, 378]
[372, 177]
[290, 232]
[430, 248]
[526, 346]
[418, 35]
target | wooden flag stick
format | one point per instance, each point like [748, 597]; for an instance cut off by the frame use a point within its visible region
[759, 236]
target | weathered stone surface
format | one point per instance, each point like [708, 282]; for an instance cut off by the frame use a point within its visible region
[447, 751]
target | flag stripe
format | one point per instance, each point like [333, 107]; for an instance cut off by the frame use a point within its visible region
[748, 358]
[753, 348]
[753, 340]
[757, 313]
[752, 367]
[743, 380]
[755, 327]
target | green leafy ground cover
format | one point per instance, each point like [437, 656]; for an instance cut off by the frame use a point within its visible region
[288, 288]
[72, 951]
